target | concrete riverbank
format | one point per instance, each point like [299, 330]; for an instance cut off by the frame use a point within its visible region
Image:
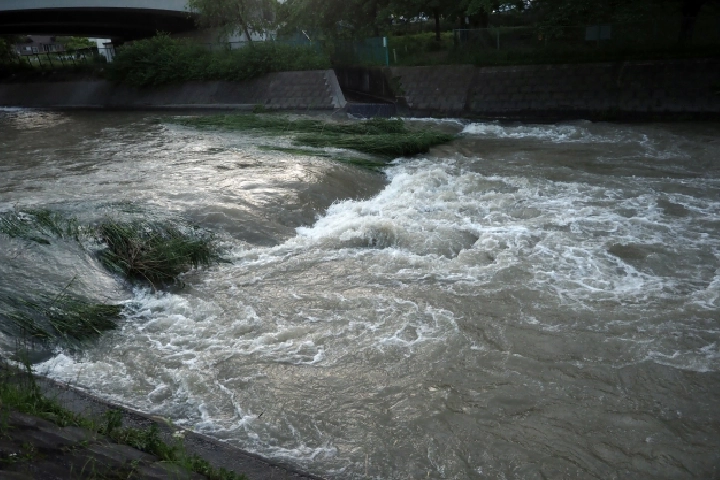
[315, 90]
[37, 449]
[637, 90]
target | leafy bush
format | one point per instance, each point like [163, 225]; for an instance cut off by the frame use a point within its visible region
[162, 60]
[408, 45]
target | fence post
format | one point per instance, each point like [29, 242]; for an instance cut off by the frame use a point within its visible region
[385, 47]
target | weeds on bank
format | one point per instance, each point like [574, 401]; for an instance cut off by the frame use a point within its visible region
[380, 137]
[19, 392]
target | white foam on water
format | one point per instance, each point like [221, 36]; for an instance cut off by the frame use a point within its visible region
[436, 121]
[553, 133]
[368, 280]
[703, 359]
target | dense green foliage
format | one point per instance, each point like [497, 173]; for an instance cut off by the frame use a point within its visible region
[75, 43]
[162, 60]
[380, 137]
[236, 16]
[356, 18]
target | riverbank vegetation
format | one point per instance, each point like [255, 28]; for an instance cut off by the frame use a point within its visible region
[19, 392]
[162, 60]
[379, 137]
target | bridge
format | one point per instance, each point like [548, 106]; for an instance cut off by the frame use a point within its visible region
[117, 19]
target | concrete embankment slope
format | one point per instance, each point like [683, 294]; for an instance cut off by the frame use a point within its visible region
[641, 89]
[314, 90]
[75, 453]
[653, 89]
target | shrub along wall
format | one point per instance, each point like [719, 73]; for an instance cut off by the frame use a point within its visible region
[162, 60]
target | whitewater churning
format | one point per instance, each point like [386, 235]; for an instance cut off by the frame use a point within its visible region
[526, 301]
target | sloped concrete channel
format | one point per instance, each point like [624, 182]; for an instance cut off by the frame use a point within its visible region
[75, 453]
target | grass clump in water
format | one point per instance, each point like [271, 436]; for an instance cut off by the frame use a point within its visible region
[380, 137]
[385, 145]
[38, 225]
[64, 318]
[278, 124]
[157, 253]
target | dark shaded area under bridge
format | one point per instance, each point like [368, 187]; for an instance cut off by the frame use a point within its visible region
[121, 22]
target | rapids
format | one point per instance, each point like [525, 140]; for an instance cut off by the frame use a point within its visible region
[529, 301]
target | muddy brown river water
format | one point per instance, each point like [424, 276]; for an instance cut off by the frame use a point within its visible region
[527, 302]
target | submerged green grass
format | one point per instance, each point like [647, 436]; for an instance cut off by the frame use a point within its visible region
[157, 253]
[38, 225]
[384, 145]
[380, 137]
[279, 124]
[358, 162]
[65, 318]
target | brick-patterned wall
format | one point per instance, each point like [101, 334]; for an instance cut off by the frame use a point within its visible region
[651, 87]
[314, 90]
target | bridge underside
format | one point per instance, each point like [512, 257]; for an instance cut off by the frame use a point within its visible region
[115, 23]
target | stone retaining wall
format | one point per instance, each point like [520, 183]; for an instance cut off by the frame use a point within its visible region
[643, 88]
[649, 89]
[316, 90]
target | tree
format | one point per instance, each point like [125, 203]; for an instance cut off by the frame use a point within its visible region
[75, 43]
[7, 46]
[332, 17]
[232, 16]
[586, 12]
[416, 8]
[690, 10]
